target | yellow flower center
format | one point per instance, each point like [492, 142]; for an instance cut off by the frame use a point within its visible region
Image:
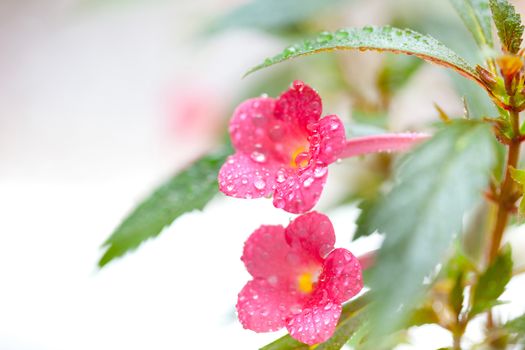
[306, 282]
[300, 157]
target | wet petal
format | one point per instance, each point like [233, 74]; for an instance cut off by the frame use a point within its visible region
[298, 193]
[382, 143]
[250, 125]
[242, 177]
[312, 233]
[315, 324]
[332, 139]
[263, 308]
[341, 278]
[300, 105]
[266, 255]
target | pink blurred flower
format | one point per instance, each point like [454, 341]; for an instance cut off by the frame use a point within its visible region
[299, 279]
[282, 148]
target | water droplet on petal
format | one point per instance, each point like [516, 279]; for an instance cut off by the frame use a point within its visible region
[298, 85]
[259, 184]
[280, 177]
[302, 159]
[276, 132]
[244, 180]
[320, 171]
[308, 182]
[258, 157]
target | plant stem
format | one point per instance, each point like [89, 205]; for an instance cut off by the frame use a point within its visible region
[505, 199]
[506, 190]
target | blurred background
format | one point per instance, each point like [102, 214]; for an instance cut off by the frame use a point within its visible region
[100, 101]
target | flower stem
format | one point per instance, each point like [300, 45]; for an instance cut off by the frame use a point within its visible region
[395, 142]
[506, 198]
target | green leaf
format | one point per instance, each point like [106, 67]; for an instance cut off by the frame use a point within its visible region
[517, 325]
[272, 14]
[396, 72]
[419, 218]
[188, 190]
[387, 38]
[491, 284]
[365, 225]
[477, 18]
[508, 24]
[351, 319]
[518, 175]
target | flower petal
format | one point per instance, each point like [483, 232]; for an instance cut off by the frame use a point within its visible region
[315, 324]
[299, 192]
[300, 105]
[266, 255]
[241, 177]
[312, 233]
[342, 276]
[249, 127]
[263, 308]
[332, 140]
[382, 143]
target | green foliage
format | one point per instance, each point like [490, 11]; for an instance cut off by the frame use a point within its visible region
[491, 284]
[188, 190]
[387, 38]
[519, 177]
[272, 14]
[508, 23]
[517, 325]
[419, 218]
[396, 72]
[365, 225]
[477, 18]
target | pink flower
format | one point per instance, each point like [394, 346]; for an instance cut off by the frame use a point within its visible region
[283, 148]
[299, 279]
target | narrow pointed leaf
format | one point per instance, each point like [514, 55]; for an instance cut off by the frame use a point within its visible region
[456, 164]
[188, 190]
[508, 23]
[476, 16]
[389, 39]
[492, 282]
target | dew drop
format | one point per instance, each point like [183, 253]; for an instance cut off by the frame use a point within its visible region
[302, 159]
[276, 132]
[308, 45]
[229, 188]
[324, 37]
[267, 61]
[244, 180]
[320, 171]
[368, 29]
[264, 95]
[289, 51]
[259, 184]
[341, 34]
[258, 157]
[280, 177]
[308, 182]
